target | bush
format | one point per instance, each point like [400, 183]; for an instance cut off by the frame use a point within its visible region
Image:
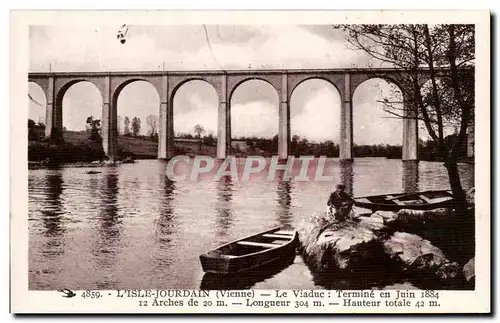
[66, 152]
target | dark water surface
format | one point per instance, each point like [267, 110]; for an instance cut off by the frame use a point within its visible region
[130, 227]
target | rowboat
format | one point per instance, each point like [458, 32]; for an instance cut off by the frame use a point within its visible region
[250, 252]
[247, 279]
[424, 200]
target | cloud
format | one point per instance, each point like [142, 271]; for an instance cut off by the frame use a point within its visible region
[257, 118]
[320, 117]
[371, 124]
[185, 47]
[195, 109]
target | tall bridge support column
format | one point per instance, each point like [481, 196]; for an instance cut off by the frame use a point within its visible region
[50, 108]
[284, 120]
[223, 122]
[410, 134]
[163, 127]
[346, 122]
[109, 121]
[170, 129]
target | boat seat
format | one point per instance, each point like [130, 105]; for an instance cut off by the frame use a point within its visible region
[398, 202]
[284, 232]
[276, 236]
[426, 199]
[257, 244]
[279, 242]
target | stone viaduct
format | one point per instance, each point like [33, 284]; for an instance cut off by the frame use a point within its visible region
[110, 84]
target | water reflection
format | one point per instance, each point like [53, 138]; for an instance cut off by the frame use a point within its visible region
[347, 176]
[223, 207]
[164, 224]
[284, 199]
[106, 248]
[52, 215]
[410, 176]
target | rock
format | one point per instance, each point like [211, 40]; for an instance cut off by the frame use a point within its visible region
[411, 218]
[417, 255]
[401, 286]
[387, 216]
[469, 270]
[360, 211]
[328, 244]
[448, 271]
[374, 222]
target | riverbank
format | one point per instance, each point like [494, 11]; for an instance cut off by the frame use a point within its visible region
[77, 149]
[432, 249]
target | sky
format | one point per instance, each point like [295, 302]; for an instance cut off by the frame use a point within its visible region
[315, 104]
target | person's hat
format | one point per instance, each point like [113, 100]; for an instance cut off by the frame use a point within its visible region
[340, 186]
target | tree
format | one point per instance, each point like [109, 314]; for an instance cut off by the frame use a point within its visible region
[126, 131]
[199, 130]
[444, 54]
[136, 126]
[210, 140]
[93, 129]
[152, 121]
[31, 130]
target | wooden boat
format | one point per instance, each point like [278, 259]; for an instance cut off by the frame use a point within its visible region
[424, 200]
[248, 279]
[250, 252]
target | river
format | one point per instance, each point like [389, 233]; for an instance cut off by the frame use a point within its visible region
[130, 227]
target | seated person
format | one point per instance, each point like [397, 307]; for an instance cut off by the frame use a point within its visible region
[341, 201]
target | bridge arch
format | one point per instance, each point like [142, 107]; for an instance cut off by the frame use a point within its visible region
[42, 82]
[359, 78]
[315, 107]
[117, 87]
[138, 93]
[37, 102]
[176, 81]
[236, 81]
[195, 102]
[86, 92]
[336, 80]
[254, 106]
[401, 118]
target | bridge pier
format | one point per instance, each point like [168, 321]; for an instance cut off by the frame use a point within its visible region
[165, 126]
[284, 120]
[49, 109]
[346, 121]
[410, 134]
[109, 121]
[223, 122]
